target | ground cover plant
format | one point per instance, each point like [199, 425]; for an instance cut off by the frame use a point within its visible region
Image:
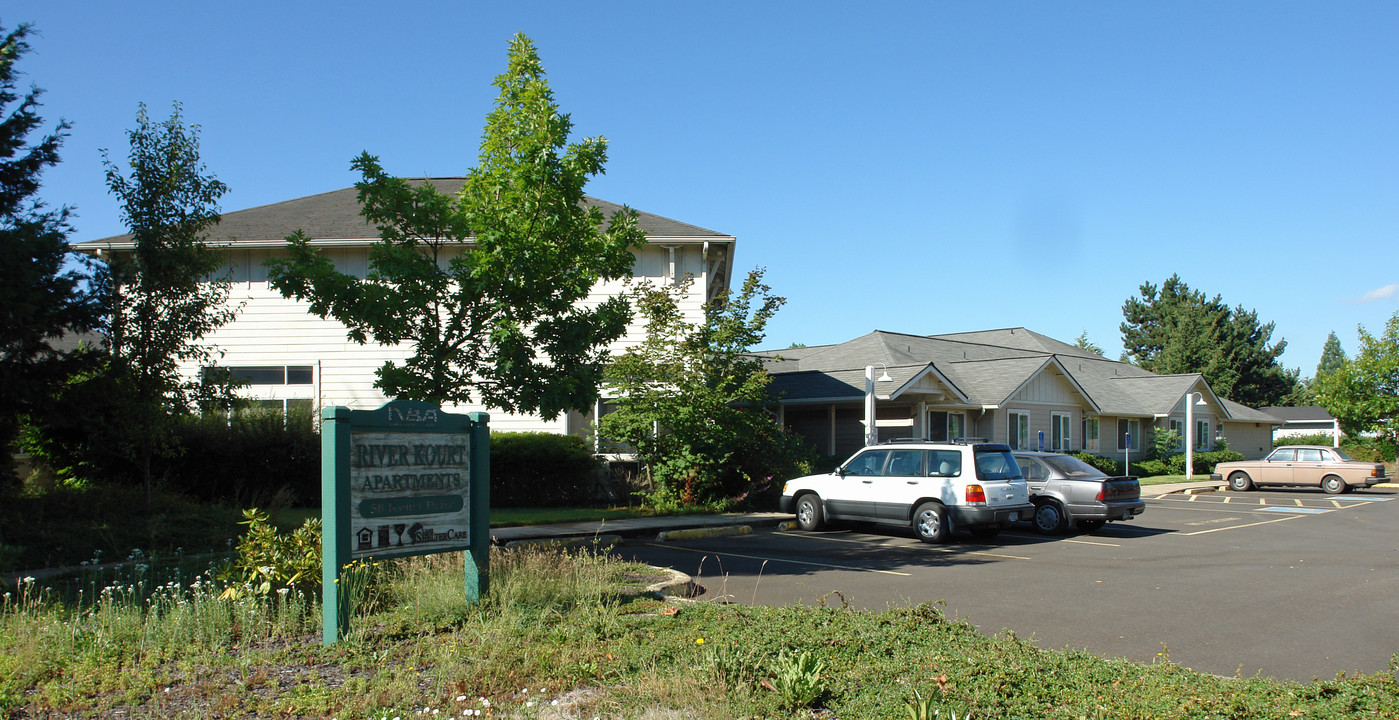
[576, 635]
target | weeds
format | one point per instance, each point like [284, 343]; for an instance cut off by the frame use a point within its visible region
[570, 634]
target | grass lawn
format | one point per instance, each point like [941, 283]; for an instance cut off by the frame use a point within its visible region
[562, 636]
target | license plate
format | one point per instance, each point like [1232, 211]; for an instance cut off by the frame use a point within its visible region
[1014, 517]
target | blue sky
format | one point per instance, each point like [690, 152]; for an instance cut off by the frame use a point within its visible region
[920, 167]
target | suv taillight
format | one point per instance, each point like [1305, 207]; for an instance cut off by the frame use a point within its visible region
[975, 494]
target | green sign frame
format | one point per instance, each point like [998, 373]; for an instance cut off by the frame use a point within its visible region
[404, 479]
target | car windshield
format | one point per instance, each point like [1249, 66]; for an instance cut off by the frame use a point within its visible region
[1072, 467]
[996, 465]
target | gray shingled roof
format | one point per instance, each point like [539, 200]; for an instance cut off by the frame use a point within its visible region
[335, 215]
[1306, 413]
[987, 367]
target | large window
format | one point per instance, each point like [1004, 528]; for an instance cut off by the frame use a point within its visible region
[956, 425]
[1202, 435]
[1179, 427]
[1129, 434]
[1090, 433]
[270, 374]
[1019, 435]
[1060, 440]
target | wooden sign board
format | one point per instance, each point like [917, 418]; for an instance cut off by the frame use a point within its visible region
[404, 479]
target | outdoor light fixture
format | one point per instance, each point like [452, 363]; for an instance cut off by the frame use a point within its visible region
[1199, 399]
[872, 432]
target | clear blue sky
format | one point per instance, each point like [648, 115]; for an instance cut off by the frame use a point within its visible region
[920, 167]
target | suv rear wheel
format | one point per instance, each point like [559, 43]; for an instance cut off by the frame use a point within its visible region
[930, 522]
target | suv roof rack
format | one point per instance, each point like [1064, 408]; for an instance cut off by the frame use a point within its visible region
[968, 440]
[892, 441]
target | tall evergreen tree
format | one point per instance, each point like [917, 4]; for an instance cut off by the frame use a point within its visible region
[1333, 357]
[1173, 329]
[44, 292]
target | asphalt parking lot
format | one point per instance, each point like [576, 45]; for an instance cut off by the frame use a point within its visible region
[1288, 583]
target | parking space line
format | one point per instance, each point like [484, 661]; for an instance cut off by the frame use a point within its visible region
[1227, 498]
[1090, 542]
[1301, 510]
[1238, 527]
[1298, 501]
[781, 560]
[930, 547]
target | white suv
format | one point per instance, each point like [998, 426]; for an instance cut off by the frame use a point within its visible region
[935, 487]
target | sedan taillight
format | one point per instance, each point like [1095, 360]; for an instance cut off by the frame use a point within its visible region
[1102, 495]
[975, 494]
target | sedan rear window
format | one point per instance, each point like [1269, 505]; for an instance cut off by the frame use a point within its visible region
[1072, 467]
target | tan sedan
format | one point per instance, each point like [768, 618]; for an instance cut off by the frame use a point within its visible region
[1311, 465]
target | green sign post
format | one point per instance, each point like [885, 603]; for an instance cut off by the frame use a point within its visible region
[405, 479]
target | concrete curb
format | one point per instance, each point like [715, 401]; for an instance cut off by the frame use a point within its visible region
[787, 525]
[677, 585]
[592, 542]
[701, 533]
[1203, 490]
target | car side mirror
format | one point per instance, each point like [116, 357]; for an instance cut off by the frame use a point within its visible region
[840, 471]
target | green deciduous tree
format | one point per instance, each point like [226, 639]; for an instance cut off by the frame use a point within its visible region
[166, 295]
[1173, 329]
[486, 285]
[1363, 393]
[43, 290]
[694, 402]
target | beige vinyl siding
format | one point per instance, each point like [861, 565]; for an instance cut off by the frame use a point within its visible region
[1253, 440]
[271, 330]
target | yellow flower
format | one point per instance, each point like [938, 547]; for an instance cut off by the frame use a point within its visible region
[699, 641]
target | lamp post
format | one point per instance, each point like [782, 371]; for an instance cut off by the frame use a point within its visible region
[1198, 399]
[872, 432]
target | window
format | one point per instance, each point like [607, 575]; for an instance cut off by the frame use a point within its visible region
[268, 374]
[905, 463]
[868, 463]
[1202, 434]
[1129, 434]
[956, 425]
[1308, 455]
[944, 463]
[1090, 433]
[1019, 436]
[1178, 427]
[1060, 440]
[1283, 455]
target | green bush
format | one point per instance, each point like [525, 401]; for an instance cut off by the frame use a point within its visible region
[541, 470]
[1365, 449]
[256, 457]
[1107, 465]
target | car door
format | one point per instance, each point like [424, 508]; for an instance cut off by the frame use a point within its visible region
[854, 494]
[1309, 468]
[1036, 474]
[1277, 468]
[901, 485]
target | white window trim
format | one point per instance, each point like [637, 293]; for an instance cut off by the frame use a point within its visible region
[1066, 431]
[1011, 439]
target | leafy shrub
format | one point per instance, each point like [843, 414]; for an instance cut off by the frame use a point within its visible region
[1107, 465]
[541, 470]
[1152, 468]
[267, 560]
[256, 457]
